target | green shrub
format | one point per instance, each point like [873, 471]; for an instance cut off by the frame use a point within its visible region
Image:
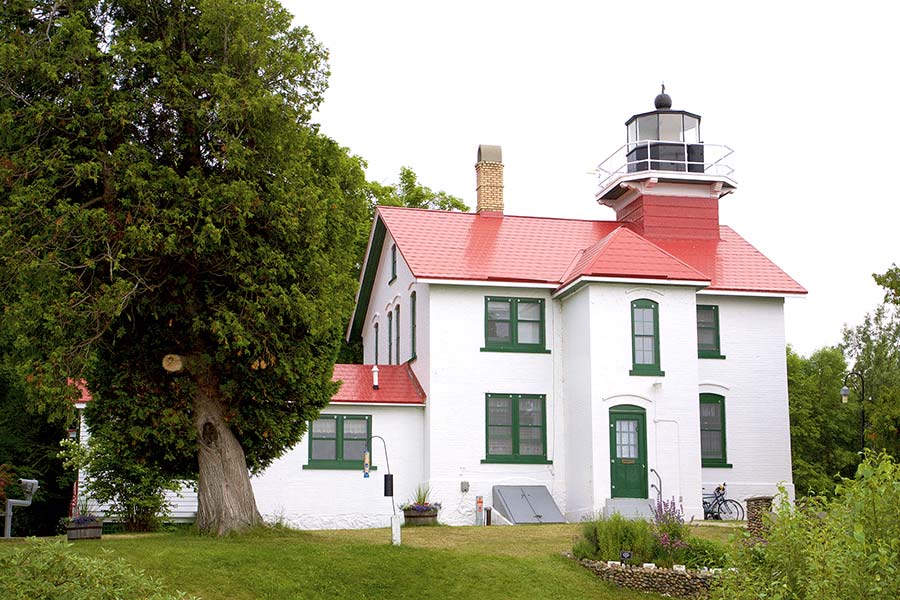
[844, 547]
[44, 569]
[704, 553]
[605, 538]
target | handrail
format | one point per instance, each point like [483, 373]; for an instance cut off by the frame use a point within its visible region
[618, 163]
[658, 489]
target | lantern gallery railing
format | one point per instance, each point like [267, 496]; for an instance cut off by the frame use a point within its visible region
[656, 155]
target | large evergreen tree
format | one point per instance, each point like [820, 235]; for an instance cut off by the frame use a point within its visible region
[164, 194]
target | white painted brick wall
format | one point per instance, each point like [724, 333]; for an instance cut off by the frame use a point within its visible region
[337, 499]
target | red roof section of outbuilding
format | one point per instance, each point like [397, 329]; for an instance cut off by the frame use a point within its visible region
[467, 246]
[397, 384]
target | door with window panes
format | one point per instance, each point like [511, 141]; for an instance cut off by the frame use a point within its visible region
[628, 451]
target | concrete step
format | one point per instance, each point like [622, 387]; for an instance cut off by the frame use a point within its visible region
[630, 508]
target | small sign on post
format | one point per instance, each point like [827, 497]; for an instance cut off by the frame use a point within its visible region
[479, 510]
[366, 465]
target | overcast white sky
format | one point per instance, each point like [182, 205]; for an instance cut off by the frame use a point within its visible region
[802, 91]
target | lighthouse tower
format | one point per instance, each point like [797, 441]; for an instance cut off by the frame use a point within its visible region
[665, 180]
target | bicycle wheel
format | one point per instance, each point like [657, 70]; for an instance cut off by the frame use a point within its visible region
[731, 510]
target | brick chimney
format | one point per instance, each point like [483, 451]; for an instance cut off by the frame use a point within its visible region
[489, 180]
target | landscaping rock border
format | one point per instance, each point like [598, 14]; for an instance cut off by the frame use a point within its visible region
[687, 584]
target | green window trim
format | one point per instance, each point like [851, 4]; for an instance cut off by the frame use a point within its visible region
[645, 338]
[397, 329]
[509, 321]
[708, 332]
[336, 440]
[376, 343]
[515, 432]
[412, 326]
[390, 338]
[393, 263]
[713, 452]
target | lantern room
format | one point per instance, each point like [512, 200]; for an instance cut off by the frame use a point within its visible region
[664, 145]
[664, 139]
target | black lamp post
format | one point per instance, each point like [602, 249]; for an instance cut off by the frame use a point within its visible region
[845, 394]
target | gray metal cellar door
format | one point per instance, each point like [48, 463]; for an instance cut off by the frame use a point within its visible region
[526, 504]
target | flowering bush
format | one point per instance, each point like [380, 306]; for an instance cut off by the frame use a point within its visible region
[670, 531]
[420, 501]
[84, 520]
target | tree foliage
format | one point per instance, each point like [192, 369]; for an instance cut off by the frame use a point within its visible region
[874, 349]
[890, 281]
[163, 192]
[824, 438]
[29, 445]
[410, 193]
[844, 547]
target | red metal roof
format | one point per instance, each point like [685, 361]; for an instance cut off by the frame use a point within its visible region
[397, 384]
[467, 246]
[623, 253]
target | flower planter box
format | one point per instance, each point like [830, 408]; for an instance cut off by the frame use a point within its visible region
[90, 531]
[415, 518]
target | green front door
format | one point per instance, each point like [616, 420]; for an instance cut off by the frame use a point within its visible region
[628, 451]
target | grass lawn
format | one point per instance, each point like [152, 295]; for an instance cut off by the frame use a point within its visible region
[433, 562]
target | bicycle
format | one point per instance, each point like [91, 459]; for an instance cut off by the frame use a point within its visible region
[717, 506]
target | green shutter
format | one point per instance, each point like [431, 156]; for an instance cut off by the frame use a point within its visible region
[390, 338]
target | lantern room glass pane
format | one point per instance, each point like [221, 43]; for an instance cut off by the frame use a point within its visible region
[671, 127]
[691, 130]
[632, 131]
[648, 127]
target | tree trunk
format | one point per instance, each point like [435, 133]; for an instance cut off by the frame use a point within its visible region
[225, 501]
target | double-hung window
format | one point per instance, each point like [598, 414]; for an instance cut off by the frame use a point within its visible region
[412, 326]
[397, 327]
[712, 431]
[376, 343]
[516, 428]
[338, 441]
[645, 338]
[390, 337]
[708, 332]
[393, 263]
[514, 325]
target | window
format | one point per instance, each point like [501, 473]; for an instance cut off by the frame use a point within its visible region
[397, 328]
[514, 325]
[708, 332]
[516, 428]
[390, 337]
[393, 263]
[412, 325]
[712, 431]
[645, 338]
[376, 343]
[338, 441]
